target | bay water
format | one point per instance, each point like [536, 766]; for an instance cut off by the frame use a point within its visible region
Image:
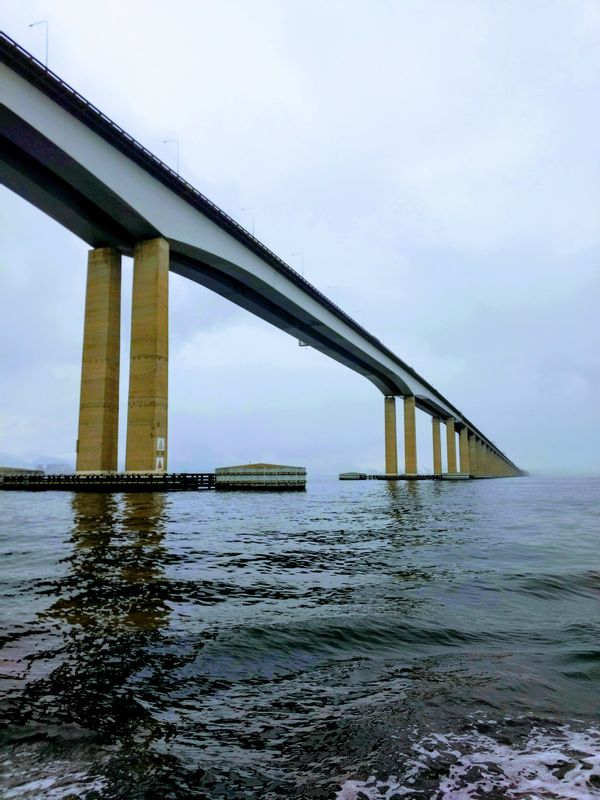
[360, 640]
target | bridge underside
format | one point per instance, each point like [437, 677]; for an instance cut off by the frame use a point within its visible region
[37, 170]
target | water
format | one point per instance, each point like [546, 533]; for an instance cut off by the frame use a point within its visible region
[362, 640]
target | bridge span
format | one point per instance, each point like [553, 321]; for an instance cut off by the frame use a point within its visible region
[67, 158]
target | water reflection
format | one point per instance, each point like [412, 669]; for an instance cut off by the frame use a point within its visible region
[199, 646]
[111, 607]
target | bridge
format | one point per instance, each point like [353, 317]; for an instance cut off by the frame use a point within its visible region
[66, 157]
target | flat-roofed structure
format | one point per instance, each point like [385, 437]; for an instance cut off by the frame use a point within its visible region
[261, 476]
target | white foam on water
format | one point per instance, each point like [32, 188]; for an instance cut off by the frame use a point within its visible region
[25, 778]
[562, 764]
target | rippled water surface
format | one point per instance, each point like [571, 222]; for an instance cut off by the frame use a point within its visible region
[362, 640]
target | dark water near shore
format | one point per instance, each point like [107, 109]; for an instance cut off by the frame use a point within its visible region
[362, 640]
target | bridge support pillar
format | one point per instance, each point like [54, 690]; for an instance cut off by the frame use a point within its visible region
[99, 401]
[391, 447]
[480, 458]
[497, 465]
[473, 465]
[148, 374]
[463, 445]
[451, 444]
[487, 460]
[410, 436]
[437, 446]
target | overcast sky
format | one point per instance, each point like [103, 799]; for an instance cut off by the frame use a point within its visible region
[437, 165]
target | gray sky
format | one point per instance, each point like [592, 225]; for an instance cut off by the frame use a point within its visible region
[437, 164]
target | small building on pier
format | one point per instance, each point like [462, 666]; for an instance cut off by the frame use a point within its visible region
[261, 476]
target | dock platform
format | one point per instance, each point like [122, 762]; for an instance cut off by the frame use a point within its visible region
[364, 476]
[110, 482]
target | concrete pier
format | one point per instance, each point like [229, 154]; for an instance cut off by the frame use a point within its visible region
[451, 445]
[473, 455]
[463, 445]
[148, 376]
[391, 447]
[99, 400]
[410, 436]
[437, 445]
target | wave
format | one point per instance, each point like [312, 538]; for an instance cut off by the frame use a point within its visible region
[551, 586]
[561, 763]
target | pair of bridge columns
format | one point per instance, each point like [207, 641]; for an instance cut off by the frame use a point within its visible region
[410, 436]
[463, 465]
[476, 457]
[148, 375]
[410, 439]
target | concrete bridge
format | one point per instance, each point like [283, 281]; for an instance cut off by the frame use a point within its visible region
[71, 161]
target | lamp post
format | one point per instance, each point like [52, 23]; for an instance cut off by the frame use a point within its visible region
[301, 257]
[176, 141]
[301, 262]
[251, 210]
[42, 22]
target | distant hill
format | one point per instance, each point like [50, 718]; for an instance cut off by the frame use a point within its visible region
[8, 460]
[48, 463]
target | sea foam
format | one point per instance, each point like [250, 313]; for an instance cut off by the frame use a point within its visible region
[558, 764]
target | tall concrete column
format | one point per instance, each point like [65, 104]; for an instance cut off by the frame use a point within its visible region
[473, 455]
[497, 465]
[494, 463]
[487, 460]
[481, 461]
[391, 447]
[410, 436]
[463, 445]
[437, 446]
[451, 444]
[99, 400]
[148, 374]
